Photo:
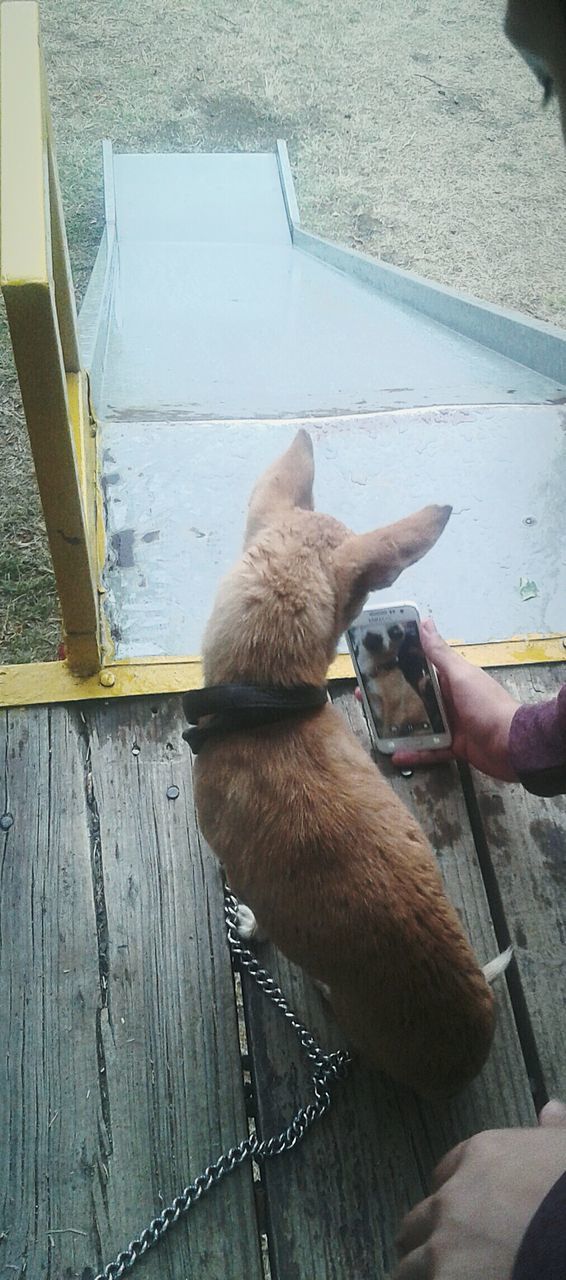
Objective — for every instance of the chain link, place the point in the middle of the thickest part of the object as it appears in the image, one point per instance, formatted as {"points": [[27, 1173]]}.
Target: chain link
{"points": [[327, 1068]]}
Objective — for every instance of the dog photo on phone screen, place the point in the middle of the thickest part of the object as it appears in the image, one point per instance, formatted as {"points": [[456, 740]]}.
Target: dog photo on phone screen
{"points": [[397, 680]]}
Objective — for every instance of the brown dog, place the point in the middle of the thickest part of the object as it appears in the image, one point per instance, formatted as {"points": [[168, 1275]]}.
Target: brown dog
{"points": [[338, 873]]}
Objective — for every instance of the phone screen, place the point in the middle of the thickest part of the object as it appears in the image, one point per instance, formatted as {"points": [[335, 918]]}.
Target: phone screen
{"points": [[399, 688]]}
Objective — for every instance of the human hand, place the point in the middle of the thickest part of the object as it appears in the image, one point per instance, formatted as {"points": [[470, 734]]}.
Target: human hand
{"points": [[479, 712], [485, 1193]]}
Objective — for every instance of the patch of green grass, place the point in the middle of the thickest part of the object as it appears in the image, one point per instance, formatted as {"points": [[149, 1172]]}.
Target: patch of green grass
{"points": [[29, 603], [29, 627]]}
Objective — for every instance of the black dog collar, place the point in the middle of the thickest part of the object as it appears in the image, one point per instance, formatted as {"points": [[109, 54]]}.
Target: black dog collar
{"points": [[245, 706]]}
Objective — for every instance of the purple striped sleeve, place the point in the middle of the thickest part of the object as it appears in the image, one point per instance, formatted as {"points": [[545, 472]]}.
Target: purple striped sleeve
{"points": [[542, 1254], [537, 746]]}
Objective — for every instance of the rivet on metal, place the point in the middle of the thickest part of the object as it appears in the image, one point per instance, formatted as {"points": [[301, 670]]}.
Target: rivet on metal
{"points": [[107, 678], [172, 793]]}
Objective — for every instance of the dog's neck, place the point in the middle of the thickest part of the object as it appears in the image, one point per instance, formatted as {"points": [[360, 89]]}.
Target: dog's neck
{"points": [[233, 708], [387, 666], [262, 673], [250, 647], [274, 618]]}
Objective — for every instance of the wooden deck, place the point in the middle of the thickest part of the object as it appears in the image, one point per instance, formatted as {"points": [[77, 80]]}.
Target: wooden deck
{"points": [[121, 1073]]}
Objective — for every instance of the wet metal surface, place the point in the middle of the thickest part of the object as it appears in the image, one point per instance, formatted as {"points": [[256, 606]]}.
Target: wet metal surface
{"points": [[240, 330], [216, 314], [207, 330], [503, 470]]}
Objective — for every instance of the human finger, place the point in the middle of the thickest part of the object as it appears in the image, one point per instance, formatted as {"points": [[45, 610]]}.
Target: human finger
{"points": [[448, 664], [448, 1166], [416, 1265], [412, 759], [445, 659], [416, 1228]]}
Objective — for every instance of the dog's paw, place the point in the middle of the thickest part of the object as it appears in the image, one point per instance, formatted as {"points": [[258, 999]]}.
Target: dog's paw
{"points": [[247, 926]]}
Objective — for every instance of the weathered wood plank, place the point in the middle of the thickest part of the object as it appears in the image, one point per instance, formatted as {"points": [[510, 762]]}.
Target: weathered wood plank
{"points": [[334, 1204], [526, 842], [171, 1050], [51, 1112], [104, 917], [120, 1074]]}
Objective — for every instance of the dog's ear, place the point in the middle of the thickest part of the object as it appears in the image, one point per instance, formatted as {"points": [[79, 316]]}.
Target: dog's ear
{"points": [[287, 483], [365, 562]]}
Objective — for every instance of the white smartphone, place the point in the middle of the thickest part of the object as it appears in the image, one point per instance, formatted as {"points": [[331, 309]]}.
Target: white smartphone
{"points": [[399, 687]]}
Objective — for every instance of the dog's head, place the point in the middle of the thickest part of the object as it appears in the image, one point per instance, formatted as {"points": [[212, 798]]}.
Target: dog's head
{"points": [[383, 645], [303, 578]]}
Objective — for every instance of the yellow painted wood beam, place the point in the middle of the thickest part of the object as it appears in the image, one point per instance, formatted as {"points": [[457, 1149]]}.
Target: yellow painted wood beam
{"points": [[36, 282], [65, 300], [48, 682], [22, 149], [37, 352]]}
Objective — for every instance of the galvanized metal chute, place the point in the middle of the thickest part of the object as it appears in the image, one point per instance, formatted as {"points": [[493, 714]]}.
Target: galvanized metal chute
{"points": [[214, 324]]}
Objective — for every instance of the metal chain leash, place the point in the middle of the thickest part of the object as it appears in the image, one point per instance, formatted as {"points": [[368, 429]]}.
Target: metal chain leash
{"points": [[328, 1067]]}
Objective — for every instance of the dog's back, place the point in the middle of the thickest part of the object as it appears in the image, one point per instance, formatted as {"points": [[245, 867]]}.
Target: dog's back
{"points": [[342, 879]]}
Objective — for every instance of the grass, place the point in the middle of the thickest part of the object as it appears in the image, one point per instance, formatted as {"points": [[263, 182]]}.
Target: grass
{"points": [[415, 134], [28, 602]]}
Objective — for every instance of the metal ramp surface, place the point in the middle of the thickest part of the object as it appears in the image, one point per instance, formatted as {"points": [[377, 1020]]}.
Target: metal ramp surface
{"points": [[213, 324]]}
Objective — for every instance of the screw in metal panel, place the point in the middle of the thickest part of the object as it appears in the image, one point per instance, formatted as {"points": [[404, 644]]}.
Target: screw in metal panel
{"points": [[107, 679]]}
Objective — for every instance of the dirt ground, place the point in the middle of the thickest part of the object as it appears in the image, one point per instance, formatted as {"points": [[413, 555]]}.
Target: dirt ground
{"points": [[415, 134]]}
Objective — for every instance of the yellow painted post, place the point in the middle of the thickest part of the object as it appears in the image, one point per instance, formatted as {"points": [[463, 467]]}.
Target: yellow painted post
{"points": [[63, 281], [37, 286]]}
